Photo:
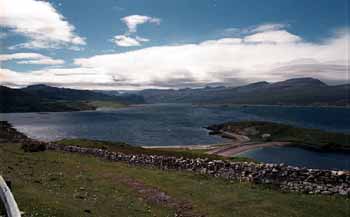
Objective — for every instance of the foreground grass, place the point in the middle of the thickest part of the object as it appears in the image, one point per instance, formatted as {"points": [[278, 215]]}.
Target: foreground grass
{"points": [[64, 184]]}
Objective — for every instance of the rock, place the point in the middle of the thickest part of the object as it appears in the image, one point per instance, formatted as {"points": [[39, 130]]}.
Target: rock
{"points": [[343, 192], [326, 192]]}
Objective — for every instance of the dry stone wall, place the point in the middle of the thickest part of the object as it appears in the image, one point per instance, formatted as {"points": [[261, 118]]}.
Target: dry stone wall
{"points": [[288, 178]]}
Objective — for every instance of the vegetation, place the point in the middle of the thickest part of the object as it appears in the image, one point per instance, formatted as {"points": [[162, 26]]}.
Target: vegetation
{"points": [[64, 184], [312, 138], [128, 149], [106, 104], [33, 147]]}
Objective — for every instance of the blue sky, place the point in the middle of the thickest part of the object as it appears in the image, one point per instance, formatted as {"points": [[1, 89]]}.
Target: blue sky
{"points": [[65, 42]]}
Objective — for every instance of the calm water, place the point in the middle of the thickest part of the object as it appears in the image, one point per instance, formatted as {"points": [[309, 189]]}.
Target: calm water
{"points": [[300, 157], [181, 124]]}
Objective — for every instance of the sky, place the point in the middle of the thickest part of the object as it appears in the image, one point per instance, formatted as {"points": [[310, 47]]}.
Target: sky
{"points": [[140, 44]]}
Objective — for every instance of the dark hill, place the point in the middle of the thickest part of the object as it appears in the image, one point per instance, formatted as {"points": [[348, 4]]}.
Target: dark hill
{"points": [[43, 98]]}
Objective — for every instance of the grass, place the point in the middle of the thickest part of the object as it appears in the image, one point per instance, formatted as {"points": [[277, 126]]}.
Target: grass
{"points": [[128, 149], [67, 105], [64, 184], [106, 104], [312, 138]]}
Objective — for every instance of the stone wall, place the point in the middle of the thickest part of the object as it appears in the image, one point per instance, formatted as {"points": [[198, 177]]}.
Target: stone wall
{"points": [[293, 179]]}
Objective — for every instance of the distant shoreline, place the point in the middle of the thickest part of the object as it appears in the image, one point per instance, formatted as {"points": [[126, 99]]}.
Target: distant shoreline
{"points": [[272, 105], [250, 135], [102, 108]]}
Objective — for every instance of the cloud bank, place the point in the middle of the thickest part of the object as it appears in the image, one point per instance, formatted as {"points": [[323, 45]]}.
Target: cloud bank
{"points": [[270, 54], [40, 22]]}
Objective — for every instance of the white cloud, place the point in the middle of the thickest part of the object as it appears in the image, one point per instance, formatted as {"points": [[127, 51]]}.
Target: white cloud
{"points": [[3, 35], [133, 21], [40, 22], [142, 39], [48, 61], [16, 56], [268, 27], [67, 77], [233, 31], [227, 58], [126, 41], [213, 61], [31, 58], [267, 33], [274, 36], [223, 41]]}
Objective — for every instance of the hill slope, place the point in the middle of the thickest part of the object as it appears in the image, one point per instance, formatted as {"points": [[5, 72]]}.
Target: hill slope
{"points": [[42, 98], [54, 93]]}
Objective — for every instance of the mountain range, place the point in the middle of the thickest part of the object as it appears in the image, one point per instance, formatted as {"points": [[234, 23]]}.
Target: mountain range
{"points": [[297, 91]]}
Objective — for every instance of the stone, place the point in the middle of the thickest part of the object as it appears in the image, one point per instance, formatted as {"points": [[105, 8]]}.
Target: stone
{"points": [[343, 192], [326, 192]]}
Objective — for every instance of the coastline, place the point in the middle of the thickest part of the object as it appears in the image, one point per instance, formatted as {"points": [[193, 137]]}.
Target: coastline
{"points": [[238, 145], [225, 150]]}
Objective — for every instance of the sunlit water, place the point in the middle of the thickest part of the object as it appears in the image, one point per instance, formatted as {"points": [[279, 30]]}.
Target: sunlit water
{"points": [[182, 124]]}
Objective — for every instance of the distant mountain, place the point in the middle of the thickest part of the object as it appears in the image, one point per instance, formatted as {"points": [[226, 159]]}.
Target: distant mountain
{"points": [[297, 91], [109, 92], [43, 98], [16, 100], [297, 83], [55, 93]]}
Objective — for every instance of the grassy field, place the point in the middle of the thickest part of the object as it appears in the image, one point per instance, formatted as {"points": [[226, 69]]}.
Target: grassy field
{"points": [[64, 184]]}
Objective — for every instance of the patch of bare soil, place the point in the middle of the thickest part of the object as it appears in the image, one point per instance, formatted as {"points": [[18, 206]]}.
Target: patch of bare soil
{"points": [[156, 196]]}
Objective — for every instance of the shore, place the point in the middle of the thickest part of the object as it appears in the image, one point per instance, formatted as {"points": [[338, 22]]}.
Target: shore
{"points": [[239, 144]]}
